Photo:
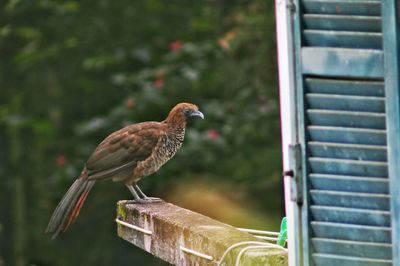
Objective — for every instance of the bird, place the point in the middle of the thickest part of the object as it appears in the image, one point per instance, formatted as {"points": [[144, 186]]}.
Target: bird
{"points": [[127, 155]]}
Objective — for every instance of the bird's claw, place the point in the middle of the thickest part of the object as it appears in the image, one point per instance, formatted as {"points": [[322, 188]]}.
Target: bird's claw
{"points": [[147, 200]]}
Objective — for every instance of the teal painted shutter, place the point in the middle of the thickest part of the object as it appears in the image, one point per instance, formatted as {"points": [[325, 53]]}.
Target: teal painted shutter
{"points": [[342, 87]]}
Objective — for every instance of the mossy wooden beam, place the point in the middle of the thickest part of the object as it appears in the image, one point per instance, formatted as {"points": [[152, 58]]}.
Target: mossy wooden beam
{"points": [[171, 233]]}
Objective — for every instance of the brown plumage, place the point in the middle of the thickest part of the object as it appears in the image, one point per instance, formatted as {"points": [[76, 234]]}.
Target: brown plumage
{"points": [[126, 155]]}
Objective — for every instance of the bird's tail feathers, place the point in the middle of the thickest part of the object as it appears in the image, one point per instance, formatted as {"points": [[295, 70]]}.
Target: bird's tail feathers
{"points": [[69, 207]]}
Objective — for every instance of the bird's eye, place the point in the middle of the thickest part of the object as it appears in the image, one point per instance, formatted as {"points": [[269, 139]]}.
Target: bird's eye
{"points": [[186, 111]]}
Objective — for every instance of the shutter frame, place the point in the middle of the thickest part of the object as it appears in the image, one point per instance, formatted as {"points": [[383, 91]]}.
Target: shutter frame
{"points": [[303, 252], [373, 65], [391, 42]]}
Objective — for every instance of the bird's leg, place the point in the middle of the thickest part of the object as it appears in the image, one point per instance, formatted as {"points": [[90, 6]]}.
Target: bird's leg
{"points": [[139, 191], [133, 192], [144, 197], [137, 198]]}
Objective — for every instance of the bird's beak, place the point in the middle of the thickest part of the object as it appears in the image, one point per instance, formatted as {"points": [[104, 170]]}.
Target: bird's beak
{"points": [[196, 114]]}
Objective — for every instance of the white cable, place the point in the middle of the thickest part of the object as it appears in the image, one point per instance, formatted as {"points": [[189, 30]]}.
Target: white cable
{"points": [[235, 246], [256, 243], [240, 254], [267, 238], [196, 253], [258, 232], [137, 228], [148, 232]]}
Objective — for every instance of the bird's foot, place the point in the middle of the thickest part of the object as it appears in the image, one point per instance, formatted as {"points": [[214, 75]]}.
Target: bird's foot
{"points": [[147, 200]]}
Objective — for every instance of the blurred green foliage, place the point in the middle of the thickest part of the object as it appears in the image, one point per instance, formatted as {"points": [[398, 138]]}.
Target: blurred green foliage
{"points": [[72, 72]]}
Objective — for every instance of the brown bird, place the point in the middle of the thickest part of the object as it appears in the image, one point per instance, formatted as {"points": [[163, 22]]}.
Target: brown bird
{"points": [[126, 155]]}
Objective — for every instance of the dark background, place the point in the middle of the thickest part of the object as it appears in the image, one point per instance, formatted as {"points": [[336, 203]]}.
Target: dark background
{"points": [[74, 71]]}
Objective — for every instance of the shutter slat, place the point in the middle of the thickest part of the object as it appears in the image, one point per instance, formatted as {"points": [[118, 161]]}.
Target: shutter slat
{"points": [[351, 232], [365, 8], [349, 183], [348, 167], [347, 119], [347, 135], [350, 199], [345, 102], [342, 22], [345, 87], [342, 62], [335, 260], [347, 151], [350, 216], [352, 248], [343, 39]]}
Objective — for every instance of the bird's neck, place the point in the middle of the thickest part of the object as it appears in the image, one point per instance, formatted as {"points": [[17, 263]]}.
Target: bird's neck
{"points": [[176, 131], [175, 123]]}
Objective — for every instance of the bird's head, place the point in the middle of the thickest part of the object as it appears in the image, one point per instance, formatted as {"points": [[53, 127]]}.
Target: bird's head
{"points": [[182, 112]]}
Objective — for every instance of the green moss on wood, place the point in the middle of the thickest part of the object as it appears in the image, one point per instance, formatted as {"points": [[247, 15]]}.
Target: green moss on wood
{"points": [[121, 211]]}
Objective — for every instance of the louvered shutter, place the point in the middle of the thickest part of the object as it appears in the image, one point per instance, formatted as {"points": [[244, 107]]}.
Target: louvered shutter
{"points": [[342, 127]]}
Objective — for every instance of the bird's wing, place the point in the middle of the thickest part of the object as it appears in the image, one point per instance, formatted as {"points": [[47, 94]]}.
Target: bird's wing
{"points": [[123, 149]]}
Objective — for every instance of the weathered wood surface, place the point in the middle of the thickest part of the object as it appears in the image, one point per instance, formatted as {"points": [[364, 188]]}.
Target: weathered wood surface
{"points": [[173, 227]]}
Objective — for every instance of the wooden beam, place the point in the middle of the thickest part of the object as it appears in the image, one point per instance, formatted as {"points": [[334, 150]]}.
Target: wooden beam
{"points": [[182, 237]]}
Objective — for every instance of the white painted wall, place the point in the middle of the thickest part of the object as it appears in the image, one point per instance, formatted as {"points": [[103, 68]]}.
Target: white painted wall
{"points": [[287, 108]]}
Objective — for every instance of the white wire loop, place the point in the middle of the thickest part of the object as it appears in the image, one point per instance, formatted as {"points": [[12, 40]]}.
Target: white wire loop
{"points": [[240, 254], [134, 227], [254, 245]]}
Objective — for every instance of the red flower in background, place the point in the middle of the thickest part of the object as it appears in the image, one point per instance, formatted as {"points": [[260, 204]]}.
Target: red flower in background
{"points": [[130, 103], [212, 134], [160, 78], [61, 160], [226, 40], [159, 83], [175, 46]]}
